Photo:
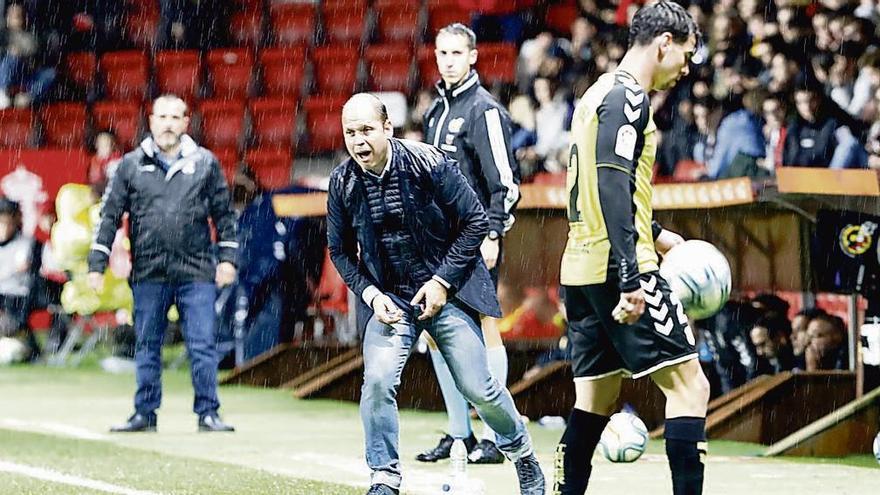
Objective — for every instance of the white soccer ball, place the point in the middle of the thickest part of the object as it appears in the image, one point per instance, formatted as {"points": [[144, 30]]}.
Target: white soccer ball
{"points": [[699, 275], [877, 447], [624, 438]]}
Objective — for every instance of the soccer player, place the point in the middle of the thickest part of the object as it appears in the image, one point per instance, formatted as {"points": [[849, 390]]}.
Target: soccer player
{"points": [[469, 125], [623, 319], [404, 230]]}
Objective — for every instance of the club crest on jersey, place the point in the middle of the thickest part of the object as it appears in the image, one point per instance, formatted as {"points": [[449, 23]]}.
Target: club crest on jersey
{"points": [[455, 125], [625, 144]]}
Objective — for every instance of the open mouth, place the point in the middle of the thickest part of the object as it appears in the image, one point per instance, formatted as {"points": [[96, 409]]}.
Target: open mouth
{"points": [[363, 155]]}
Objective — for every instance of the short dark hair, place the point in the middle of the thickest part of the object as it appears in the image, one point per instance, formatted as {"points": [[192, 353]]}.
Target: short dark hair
{"points": [[460, 29], [9, 207], [660, 17]]}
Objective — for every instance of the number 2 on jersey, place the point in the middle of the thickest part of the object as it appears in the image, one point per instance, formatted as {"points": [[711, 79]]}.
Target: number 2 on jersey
{"points": [[574, 212]]}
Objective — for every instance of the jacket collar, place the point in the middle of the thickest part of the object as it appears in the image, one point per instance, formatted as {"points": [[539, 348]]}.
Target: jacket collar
{"points": [[187, 146], [467, 85]]}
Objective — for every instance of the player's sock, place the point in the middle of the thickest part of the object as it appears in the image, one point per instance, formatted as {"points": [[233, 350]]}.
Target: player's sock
{"points": [[685, 448], [456, 406], [498, 367], [573, 454]]}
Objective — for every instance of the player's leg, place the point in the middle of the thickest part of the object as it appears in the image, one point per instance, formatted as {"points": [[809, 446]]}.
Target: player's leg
{"points": [[662, 344], [386, 349], [486, 452], [457, 409], [687, 394], [597, 370]]}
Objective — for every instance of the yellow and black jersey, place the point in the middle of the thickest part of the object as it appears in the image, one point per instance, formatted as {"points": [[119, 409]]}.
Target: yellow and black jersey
{"points": [[611, 158]]}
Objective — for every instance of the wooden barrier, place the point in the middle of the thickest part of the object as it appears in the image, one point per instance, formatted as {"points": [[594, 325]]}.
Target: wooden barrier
{"points": [[848, 430], [281, 364]]}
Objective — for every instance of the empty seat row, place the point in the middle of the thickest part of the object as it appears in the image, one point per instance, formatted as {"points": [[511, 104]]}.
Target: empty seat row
{"points": [[217, 123], [232, 72]]}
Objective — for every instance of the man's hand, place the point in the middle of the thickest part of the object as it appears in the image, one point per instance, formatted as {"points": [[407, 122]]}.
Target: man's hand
{"points": [[225, 274], [434, 295], [630, 307], [386, 311], [489, 249], [96, 281], [666, 241]]}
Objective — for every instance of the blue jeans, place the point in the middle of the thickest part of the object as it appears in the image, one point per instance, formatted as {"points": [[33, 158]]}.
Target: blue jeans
{"points": [[195, 303], [460, 340]]}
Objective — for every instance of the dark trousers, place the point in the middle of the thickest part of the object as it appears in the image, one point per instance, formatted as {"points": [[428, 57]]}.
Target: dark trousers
{"points": [[195, 303]]}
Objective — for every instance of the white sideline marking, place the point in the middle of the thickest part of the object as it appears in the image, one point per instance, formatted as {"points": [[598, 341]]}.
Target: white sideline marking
{"points": [[60, 428], [56, 477]]}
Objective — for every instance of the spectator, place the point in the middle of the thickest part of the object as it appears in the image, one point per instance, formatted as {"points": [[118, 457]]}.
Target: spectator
{"points": [[18, 62], [774, 129], [103, 163], [770, 336], [810, 138], [549, 148], [195, 24], [827, 349], [16, 274], [738, 138], [799, 337]]}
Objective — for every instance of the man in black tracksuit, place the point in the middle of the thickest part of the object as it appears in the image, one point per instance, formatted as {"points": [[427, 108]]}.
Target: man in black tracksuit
{"points": [[170, 187], [468, 124]]}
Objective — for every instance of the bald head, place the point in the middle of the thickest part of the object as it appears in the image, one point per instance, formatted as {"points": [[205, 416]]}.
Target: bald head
{"points": [[365, 105], [366, 129]]}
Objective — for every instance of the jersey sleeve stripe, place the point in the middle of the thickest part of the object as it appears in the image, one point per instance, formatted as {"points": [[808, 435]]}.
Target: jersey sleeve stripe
{"points": [[499, 156]]}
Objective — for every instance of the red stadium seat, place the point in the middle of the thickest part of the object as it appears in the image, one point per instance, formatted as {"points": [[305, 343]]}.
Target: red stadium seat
{"points": [[228, 158], [354, 6], [323, 120], [345, 25], [229, 70], [336, 69], [16, 125], [272, 166], [398, 25], [440, 16], [428, 72], [274, 121], [80, 69], [246, 27], [561, 15], [389, 67], [283, 70], [496, 62], [126, 74], [293, 24], [64, 125], [221, 123], [125, 119], [179, 72]]}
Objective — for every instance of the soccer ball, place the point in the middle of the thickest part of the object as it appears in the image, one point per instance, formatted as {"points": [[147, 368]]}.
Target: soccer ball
{"points": [[11, 351], [624, 438], [877, 447], [699, 276]]}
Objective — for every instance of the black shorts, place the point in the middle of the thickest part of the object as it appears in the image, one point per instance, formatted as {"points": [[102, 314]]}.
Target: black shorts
{"points": [[600, 346]]}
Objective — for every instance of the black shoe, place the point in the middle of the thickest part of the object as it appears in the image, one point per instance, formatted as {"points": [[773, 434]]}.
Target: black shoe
{"points": [[137, 423], [441, 451], [485, 453], [531, 479], [380, 489], [212, 422]]}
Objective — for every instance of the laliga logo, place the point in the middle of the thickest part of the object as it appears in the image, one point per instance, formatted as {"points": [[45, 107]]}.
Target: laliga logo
{"points": [[855, 240]]}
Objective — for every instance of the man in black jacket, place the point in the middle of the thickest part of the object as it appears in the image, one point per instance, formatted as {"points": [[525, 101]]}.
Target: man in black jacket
{"points": [[170, 187], [404, 230], [467, 123]]}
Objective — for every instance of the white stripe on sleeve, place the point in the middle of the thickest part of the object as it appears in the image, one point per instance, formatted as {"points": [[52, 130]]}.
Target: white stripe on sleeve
{"points": [[499, 156]]}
